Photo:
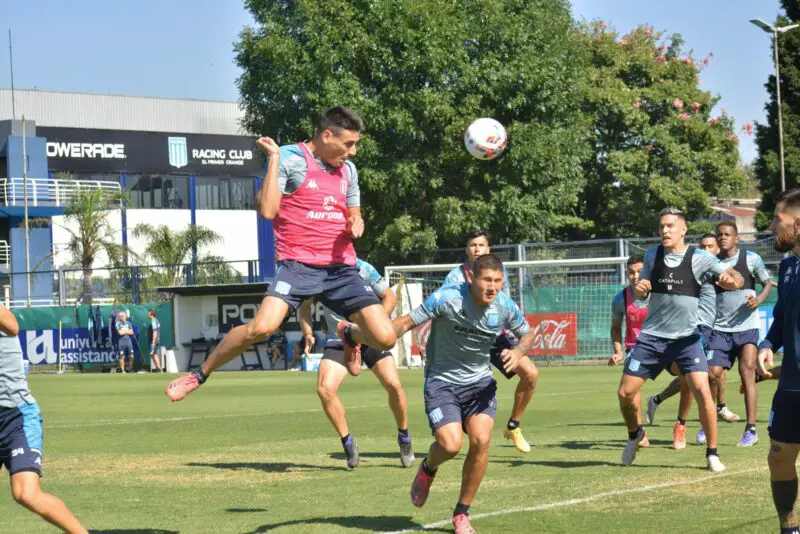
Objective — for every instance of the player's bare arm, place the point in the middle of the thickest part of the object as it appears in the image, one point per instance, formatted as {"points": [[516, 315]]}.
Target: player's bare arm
{"points": [[511, 357], [754, 301], [355, 223], [269, 197], [731, 280], [8, 323], [616, 340], [643, 288]]}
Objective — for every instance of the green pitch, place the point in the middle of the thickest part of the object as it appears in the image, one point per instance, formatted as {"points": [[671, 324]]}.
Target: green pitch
{"points": [[253, 452]]}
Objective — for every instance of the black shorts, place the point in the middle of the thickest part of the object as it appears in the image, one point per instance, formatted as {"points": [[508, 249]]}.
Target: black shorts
{"points": [[446, 402], [21, 439], [784, 417], [339, 287], [369, 355]]}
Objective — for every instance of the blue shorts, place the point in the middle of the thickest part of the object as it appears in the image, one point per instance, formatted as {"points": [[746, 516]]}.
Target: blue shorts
{"points": [[153, 348], [339, 287], [125, 346], [784, 417], [705, 336], [446, 402], [21, 439], [726, 346], [652, 354]]}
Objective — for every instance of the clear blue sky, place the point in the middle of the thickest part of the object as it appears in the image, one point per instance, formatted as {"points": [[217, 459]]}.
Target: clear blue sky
{"points": [[183, 48]]}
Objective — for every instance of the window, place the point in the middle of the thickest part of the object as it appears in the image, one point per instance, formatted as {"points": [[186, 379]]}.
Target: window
{"points": [[158, 192], [224, 193]]}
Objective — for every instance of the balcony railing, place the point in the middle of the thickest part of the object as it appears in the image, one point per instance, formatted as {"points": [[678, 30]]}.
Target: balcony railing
{"points": [[5, 254], [49, 192]]}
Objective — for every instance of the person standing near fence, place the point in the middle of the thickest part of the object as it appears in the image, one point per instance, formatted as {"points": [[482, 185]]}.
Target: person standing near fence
{"points": [[21, 434], [154, 336], [125, 341], [625, 306]]}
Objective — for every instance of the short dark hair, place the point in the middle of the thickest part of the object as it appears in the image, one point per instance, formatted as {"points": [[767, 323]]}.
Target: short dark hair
{"points": [[151, 310], [340, 118], [672, 211], [790, 199], [730, 224], [478, 233], [708, 236], [487, 262], [632, 260]]}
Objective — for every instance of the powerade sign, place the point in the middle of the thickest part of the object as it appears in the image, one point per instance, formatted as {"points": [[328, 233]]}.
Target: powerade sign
{"points": [[102, 151], [41, 347]]}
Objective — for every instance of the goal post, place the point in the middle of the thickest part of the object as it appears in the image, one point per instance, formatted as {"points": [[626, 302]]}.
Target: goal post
{"points": [[567, 301]]}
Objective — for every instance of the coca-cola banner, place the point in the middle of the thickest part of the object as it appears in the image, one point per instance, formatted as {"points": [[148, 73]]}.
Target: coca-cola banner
{"points": [[556, 334]]}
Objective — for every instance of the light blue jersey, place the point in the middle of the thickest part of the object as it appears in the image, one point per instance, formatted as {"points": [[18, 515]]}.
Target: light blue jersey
{"points": [[14, 390], [676, 316], [707, 305], [733, 315], [462, 332], [292, 174]]}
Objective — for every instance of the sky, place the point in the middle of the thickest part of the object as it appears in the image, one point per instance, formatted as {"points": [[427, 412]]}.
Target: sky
{"points": [[184, 48]]}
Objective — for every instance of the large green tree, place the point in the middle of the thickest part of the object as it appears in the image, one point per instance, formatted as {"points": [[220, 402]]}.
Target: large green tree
{"points": [[655, 141], [767, 166], [419, 71]]}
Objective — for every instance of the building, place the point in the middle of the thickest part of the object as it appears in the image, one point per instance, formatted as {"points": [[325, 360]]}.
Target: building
{"points": [[182, 162]]}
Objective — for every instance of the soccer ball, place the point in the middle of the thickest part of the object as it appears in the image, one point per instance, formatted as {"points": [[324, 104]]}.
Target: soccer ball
{"points": [[485, 138]]}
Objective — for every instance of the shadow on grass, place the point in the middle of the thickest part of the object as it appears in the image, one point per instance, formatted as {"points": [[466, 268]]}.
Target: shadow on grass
{"points": [[608, 444], [276, 467], [371, 523], [561, 464], [134, 531], [744, 526]]}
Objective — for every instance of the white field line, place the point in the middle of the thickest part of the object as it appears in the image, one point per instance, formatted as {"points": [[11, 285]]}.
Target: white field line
{"points": [[583, 500]]}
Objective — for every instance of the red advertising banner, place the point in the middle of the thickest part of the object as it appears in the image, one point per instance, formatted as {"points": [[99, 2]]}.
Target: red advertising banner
{"points": [[556, 334]]}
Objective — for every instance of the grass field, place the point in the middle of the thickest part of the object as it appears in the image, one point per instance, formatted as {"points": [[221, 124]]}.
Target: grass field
{"points": [[253, 452]]}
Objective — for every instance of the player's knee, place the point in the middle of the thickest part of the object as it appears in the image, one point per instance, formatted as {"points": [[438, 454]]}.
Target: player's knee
{"points": [[625, 395], [393, 387], [480, 442], [528, 375], [25, 494], [257, 331], [326, 392], [451, 446]]}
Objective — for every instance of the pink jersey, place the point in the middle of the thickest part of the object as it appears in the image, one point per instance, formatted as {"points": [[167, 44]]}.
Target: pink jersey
{"points": [[311, 226], [634, 318]]}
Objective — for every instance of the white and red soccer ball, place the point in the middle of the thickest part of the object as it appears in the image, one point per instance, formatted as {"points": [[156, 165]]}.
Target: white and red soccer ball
{"points": [[485, 138]]}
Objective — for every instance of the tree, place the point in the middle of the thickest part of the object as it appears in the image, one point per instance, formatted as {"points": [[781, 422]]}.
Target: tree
{"points": [[419, 71], [767, 165], [90, 232], [167, 253], [655, 143]]}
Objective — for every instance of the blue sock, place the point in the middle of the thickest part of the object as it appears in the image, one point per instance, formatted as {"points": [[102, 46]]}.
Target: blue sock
{"points": [[403, 436], [346, 440]]}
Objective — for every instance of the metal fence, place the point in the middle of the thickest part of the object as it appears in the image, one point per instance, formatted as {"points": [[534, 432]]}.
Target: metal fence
{"points": [[133, 284], [761, 242]]}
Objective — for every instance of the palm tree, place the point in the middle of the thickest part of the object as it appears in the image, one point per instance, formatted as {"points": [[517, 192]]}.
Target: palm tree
{"points": [[168, 251], [90, 233]]}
